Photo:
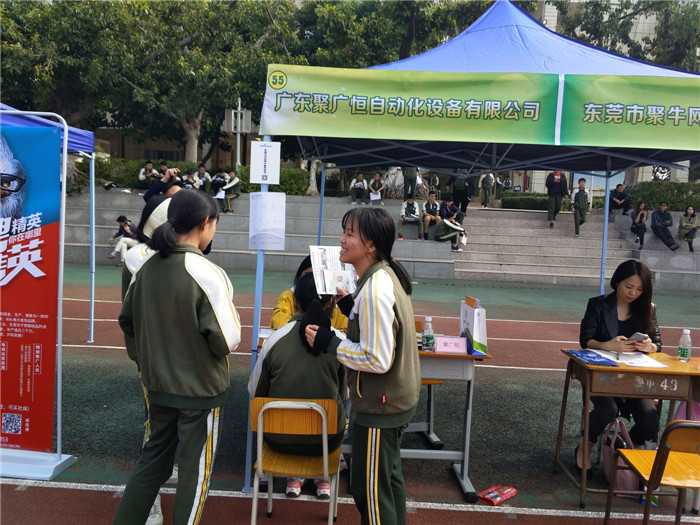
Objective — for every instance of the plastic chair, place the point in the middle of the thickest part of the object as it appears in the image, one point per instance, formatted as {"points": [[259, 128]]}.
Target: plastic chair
{"points": [[675, 464], [300, 417]]}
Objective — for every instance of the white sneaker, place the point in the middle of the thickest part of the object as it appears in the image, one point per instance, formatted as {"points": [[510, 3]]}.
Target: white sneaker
{"points": [[127, 190], [155, 517], [172, 480]]}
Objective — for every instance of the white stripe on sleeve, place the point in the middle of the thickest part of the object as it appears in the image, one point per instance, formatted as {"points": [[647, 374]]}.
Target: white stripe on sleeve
{"points": [[374, 309]]}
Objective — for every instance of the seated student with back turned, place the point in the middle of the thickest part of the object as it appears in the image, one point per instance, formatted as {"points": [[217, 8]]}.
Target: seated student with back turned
{"points": [[289, 368], [608, 324], [287, 306]]}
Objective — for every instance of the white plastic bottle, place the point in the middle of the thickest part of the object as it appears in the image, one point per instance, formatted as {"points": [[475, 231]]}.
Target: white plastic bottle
{"points": [[683, 346], [428, 340]]}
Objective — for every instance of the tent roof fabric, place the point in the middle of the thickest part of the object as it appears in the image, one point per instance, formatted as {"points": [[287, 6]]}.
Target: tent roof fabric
{"points": [[347, 153], [79, 140], [505, 39]]}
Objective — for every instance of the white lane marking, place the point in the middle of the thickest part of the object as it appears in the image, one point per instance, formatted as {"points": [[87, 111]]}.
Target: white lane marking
{"points": [[456, 507]]}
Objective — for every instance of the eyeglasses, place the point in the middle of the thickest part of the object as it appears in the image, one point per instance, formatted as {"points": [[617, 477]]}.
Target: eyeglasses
{"points": [[11, 183]]}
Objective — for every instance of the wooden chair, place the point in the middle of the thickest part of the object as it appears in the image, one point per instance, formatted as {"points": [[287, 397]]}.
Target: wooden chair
{"points": [[309, 417], [675, 464]]}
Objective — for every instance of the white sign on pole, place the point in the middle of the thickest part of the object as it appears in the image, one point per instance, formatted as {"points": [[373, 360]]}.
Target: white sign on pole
{"points": [[265, 162], [267, 225]]}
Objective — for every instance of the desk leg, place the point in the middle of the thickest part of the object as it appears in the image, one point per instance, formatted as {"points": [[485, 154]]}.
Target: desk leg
{"points": [[461, 468], [586, 450], [435, 441], [562, 416]]}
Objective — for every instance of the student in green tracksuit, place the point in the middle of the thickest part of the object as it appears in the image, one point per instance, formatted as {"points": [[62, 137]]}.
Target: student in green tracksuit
{"points": [[381, 355], [180, 324], [581, 202]]}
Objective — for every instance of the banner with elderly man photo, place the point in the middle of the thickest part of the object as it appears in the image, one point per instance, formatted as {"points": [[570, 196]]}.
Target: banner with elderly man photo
{"points": [[29, 253]]}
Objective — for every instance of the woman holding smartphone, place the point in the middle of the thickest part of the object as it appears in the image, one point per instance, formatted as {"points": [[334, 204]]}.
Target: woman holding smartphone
{"points": [[611, 323], [381, 355]]}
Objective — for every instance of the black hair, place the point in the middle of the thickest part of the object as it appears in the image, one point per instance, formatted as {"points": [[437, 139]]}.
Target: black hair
{"points": [[582, 179], [447, 197], [173, 182], [638, 207], [663, 202], [377, 226], [163, 163], [619, 185], [640, 308], [686, 211], [122, 218], [432, 192], [151, 204], [305, 264], [409, 196], [202, 166], [314, 307], [148, 162], [187, 210]]}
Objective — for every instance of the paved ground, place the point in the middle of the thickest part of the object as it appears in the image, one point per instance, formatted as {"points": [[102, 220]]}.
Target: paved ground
{"points": [[516, 400]]}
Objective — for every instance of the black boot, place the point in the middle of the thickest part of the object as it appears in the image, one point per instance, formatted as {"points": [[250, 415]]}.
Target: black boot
{"points": [[690, 245]]}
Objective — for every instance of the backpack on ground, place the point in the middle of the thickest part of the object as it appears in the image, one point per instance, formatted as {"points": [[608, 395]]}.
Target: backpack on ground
{"points": [[616, 437]]}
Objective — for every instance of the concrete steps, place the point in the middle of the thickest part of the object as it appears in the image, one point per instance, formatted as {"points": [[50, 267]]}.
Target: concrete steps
{"points": [[503, 245]]}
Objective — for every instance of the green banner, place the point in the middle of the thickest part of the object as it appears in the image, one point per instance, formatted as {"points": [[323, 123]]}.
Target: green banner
{"points": [[409, 105], [631, 111]]}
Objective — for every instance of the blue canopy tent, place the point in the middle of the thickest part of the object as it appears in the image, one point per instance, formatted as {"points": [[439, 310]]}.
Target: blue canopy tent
{"points": [[80, 143], [505, 39]]}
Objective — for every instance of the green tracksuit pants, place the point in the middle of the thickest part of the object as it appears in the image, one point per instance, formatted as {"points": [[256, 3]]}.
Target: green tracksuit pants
{"points": [[377, 481], [579, 217], [553, 206], [197, 432]]}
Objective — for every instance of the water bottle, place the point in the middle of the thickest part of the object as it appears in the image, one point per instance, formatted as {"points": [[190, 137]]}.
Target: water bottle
{"points": [[683, 346], [428, 336]]}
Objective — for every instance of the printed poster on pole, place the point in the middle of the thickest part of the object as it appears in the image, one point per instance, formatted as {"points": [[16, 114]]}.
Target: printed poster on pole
{"points": [[29, 261]]}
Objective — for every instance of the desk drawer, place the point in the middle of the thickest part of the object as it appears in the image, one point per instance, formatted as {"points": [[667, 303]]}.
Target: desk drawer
{"points": [[457, 369], [636, 384]]}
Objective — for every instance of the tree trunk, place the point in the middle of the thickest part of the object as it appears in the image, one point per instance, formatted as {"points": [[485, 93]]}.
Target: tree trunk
{"points": [[313, 187], [191, 126]]}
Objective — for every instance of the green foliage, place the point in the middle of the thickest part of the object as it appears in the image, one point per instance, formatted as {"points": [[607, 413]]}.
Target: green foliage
{"points": [[293, 181], [610, 25], [679, 195], [524, 201]]}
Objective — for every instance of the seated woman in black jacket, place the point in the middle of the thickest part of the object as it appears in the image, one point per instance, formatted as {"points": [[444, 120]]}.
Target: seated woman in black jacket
{"points": [[609, 321]]}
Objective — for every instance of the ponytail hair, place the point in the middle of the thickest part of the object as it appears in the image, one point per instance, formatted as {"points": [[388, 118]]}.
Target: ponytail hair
{"points": [[313, 306], [376, 225], [187, 210]]}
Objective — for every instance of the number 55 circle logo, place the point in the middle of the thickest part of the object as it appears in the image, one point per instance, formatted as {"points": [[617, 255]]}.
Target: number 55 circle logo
{"points": [[277, 80]]}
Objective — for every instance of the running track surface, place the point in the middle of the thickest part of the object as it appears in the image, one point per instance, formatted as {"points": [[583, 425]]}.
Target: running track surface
{"points": [[518, 344]]}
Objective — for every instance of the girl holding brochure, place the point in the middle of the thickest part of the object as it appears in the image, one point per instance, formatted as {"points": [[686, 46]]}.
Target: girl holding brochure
{"points": [[381, 355], [609, 323]]}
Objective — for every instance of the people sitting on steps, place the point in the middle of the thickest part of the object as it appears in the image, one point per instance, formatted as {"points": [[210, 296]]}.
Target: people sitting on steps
{"points": [[409, 215], [619, 200], [661, 221]]}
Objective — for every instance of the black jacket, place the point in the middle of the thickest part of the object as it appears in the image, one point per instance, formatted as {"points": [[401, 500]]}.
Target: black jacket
{"points": [[600, 321], [549, 183]]}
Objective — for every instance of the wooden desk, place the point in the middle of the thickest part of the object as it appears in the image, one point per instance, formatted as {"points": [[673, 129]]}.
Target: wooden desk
{"points": [[674, 382]]}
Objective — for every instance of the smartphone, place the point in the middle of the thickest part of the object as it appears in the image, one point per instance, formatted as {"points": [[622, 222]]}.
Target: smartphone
{"points": [[638, 336]]}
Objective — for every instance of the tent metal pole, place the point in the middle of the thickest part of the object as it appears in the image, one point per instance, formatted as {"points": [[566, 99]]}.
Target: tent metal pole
{"points": [[91, 337], [259, 278], [320, 209], [606, 215]]}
